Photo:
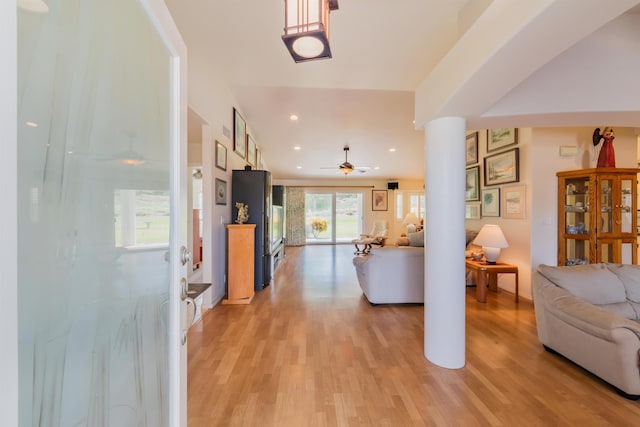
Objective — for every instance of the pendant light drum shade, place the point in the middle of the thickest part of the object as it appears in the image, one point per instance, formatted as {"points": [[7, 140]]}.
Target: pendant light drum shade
{"points": [[306, 28]]}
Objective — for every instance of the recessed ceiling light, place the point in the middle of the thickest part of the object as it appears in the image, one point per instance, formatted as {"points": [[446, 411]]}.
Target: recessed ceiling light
{"points": [[392, 150], [297, 148], [298, 167], [31, 124], [377, 168], [293, 117]]}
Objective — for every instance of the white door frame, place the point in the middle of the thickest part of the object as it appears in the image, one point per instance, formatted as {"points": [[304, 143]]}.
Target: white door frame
{"points": [[161, 19], [8, 215]]}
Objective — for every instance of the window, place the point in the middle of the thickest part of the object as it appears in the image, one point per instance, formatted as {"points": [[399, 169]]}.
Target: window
{"points": [[141, 217], [414, 202]]}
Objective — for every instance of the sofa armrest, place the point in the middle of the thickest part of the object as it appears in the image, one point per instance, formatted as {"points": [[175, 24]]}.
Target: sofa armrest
{"points": [[583, 315]]}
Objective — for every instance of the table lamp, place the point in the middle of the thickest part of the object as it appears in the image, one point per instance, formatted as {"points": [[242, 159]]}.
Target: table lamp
{"points": [[492, 240], [410, 221]]}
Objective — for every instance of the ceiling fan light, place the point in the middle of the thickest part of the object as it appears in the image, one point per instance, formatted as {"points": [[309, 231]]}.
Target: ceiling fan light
{"points": [[346, 168]]}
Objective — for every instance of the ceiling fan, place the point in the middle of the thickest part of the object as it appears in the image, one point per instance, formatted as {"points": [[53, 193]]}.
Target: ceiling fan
{"points": [[346, 167]]}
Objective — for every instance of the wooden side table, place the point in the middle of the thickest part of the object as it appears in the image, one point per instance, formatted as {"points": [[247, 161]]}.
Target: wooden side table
{"points": [[488, 274]]}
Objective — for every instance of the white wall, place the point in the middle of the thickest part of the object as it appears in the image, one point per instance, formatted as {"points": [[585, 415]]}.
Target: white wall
{"points": [[545, 154], [533, 241], [214, 104], [516, 231]]}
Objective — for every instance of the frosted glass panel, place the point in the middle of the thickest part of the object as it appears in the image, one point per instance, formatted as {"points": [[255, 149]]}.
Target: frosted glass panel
{"points": [[93, 122]]}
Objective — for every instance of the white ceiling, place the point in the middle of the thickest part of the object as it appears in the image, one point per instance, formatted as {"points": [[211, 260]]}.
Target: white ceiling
{"points": [[364, 96]]}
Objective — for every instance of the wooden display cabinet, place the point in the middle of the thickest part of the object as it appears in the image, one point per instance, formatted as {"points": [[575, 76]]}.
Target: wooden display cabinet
{"points": [[597, 216]]}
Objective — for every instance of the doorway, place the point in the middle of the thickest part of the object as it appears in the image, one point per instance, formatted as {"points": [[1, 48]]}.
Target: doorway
{"points": [[333, 217]]}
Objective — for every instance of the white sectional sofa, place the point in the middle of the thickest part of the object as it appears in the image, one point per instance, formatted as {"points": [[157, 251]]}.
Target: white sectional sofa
{"points": [[392, 274], [591, 315], [395, 274]]}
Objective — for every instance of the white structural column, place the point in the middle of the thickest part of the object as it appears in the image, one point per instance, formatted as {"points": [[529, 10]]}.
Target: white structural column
{"points": [[444, 297]]}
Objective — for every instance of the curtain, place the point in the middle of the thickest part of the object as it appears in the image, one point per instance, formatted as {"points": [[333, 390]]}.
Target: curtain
{"points": [[296, 235]]}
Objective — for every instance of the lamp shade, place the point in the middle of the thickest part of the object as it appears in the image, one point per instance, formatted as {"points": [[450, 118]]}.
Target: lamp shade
{"points": [[492, 240], [411, 218]]}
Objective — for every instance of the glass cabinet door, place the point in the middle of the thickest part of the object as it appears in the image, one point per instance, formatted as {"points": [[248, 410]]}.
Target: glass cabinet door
{"points": [[605, 205], [617, 251], [576, 206], [606, 252], [625, 206], [577, 251]]}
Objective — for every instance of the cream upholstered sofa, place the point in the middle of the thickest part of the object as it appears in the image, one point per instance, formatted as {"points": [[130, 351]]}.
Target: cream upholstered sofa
{"points": [[591, 315], [392, 274], [395, 274]]}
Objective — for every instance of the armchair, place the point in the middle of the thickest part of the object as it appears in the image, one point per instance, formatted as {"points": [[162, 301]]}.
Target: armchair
{"points": [[377, 236]]}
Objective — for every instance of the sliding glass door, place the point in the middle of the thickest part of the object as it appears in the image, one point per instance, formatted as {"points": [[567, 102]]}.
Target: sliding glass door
{"points": [[333, 217], [348, 216], [319, 218]]}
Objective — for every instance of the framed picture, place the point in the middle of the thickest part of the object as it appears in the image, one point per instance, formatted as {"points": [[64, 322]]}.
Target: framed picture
{"points": [[379, 200], [472, 211], [239, 134], [221, 156], [500, 138], [472, 148], [513, 202], [472, 186], [259, 159], [502, 168], [221, 192], [491, 202], [251, 151]]}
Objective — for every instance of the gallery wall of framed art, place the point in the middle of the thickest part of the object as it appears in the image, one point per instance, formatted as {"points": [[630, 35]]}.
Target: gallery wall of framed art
{"points": [[498, 161]]}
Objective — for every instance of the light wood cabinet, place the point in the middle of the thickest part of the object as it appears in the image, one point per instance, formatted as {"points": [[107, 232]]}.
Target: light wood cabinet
{"points": [[597, 219], [240, 263]]}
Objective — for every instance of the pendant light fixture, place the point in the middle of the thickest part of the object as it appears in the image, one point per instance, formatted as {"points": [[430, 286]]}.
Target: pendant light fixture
{"points": [[306, 28]]}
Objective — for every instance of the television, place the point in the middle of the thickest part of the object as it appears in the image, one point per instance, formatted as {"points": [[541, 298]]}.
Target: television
{"points": [[277, 226]]}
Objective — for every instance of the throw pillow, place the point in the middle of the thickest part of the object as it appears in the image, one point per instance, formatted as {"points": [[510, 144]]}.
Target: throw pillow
{"points": [[416, 239], [594, 283]]}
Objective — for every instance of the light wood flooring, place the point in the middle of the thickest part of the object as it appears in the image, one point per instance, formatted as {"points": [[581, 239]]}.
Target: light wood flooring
{"points": [[311, 351]]}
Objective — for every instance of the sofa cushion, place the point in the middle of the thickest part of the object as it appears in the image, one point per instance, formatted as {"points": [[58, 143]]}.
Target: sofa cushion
{"points": [[630, 277], [594, 283], [416, 239], [624, 309]]}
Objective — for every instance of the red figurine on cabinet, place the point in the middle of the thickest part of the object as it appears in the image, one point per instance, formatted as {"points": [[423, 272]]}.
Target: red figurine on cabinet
{"points": [[607, 157]]}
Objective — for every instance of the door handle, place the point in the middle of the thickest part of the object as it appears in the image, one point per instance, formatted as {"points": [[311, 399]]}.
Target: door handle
{"points": [[184, 289], [191, 301], [185, 255]]}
